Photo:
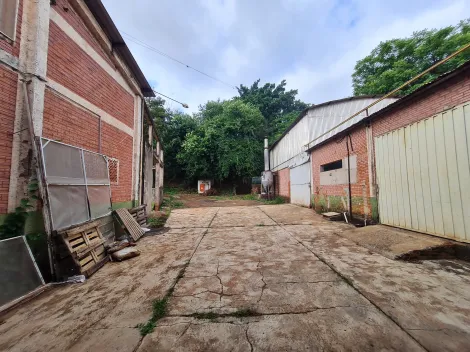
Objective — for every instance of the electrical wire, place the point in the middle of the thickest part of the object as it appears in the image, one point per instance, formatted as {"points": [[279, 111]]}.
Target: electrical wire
{"points": [[147, 46]]}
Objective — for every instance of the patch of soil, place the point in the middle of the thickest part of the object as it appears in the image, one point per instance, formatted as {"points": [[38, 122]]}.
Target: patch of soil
{"points": [[199, 201]]}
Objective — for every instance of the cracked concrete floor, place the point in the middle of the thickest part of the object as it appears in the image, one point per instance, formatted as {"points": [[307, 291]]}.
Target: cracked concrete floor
{"points": [[311, 290]]}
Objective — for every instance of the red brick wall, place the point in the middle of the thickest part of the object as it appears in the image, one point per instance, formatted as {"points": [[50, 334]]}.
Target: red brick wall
{"points": [[8, 86], [14, 47], [63, 8], [333, 151], [282, 186], [70, 124], [452, 93], [70, 66]]}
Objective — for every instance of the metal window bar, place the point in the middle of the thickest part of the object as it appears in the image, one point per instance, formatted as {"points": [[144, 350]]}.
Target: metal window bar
{"points": [[86, 183]]}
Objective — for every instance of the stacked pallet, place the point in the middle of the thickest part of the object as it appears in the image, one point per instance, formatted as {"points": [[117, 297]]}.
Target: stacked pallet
{"points": [[129, 224], [85, 245], [139, 214]]}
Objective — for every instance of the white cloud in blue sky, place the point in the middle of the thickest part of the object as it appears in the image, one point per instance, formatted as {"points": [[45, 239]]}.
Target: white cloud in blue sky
{"points": [[314, 45]]}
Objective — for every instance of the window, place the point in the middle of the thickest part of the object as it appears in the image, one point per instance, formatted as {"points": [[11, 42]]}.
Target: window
{"points": [[8, 14], [335, 165], [113, 167]]}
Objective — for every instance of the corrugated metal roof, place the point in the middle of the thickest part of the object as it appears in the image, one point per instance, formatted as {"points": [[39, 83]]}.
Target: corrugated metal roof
{"points": [[315, 121]]}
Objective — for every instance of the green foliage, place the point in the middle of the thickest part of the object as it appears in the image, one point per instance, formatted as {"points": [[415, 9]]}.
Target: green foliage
{"points": [[14, 223], [159, 309], [278, 106], [172, 126], [395, 61], [277, 200], [226, 145]]}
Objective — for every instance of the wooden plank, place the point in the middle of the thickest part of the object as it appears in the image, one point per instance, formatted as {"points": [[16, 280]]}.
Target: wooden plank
{"points": [[83, 227], [132, 227]]}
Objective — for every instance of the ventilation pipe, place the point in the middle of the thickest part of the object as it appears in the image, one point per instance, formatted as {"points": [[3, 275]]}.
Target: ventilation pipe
{"points": [[266, 155], [267, 175]]}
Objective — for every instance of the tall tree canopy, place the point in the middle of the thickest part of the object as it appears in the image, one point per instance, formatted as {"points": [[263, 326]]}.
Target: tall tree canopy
{"points": [[172, 127], [395, 61], [227, 144], [278, 106]]}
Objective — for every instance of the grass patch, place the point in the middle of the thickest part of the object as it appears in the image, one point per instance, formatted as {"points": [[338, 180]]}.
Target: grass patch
{"points": [[277, 200], [159, 309], [160, 306], [157, 222], [171, 202], [245, 312]]}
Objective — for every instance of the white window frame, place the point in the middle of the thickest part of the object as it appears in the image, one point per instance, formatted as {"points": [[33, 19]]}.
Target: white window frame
{"points": [[2, 33]]}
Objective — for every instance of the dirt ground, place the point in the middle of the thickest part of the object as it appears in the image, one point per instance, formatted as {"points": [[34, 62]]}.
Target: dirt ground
{"points": [[199, 201], [259, 278]]}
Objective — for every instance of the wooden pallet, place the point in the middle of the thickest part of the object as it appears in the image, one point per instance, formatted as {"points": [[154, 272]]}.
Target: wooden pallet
{"points": [[140, 214], [129, 223], [85, 244]]}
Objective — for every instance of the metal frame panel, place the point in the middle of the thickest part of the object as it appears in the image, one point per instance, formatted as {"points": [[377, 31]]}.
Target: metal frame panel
{"points": [[423, 174]]}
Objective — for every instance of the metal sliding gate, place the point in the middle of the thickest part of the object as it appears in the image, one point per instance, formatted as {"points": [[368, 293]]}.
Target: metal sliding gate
{"points": [[423, 174]]}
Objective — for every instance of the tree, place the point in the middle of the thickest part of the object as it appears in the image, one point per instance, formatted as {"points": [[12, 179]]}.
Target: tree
{"points": [[395, 61], [172, 127], [227, 145], [275, 103]]}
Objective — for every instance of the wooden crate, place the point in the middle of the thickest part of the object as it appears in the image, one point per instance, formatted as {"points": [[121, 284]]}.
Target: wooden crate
{"points": [[85, 244]]}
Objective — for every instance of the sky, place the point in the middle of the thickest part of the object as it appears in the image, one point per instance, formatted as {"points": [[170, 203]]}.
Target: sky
{"points": [[313, 45]]}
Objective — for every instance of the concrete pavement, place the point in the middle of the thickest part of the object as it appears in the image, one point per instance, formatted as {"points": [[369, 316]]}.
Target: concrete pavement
{"points": [[264, 278]]}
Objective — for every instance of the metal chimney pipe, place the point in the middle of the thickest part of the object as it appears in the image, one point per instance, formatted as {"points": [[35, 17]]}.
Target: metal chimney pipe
{"points": [[266, 155]]}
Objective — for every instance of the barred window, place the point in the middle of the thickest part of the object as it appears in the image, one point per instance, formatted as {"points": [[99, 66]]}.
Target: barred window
{"points": [[113, 167]]}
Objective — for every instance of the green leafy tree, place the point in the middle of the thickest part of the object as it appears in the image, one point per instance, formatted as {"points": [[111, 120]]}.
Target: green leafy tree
{"points": [[396, 61], [227, 145], [172, 127], [275, 103]]}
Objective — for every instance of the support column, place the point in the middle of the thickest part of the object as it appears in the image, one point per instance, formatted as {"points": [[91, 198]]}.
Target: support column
{"points": [[32, 64]]}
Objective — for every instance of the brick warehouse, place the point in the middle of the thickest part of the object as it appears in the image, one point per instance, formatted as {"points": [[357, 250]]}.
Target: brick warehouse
{"points": [[66, 64], [409, 161]]}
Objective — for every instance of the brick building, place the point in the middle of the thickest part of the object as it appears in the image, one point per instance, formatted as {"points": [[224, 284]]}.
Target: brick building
{"points": [[65, 67], [409, 159]]}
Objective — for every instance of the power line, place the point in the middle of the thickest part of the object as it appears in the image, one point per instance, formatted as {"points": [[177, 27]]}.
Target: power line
{"points": [[147, 46]]}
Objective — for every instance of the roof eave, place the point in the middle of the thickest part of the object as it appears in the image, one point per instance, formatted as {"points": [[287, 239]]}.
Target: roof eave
{"points": [[118, 44]]}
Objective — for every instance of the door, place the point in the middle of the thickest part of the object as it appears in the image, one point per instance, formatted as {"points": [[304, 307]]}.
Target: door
{"points": [[300, 184], [423, 175]]}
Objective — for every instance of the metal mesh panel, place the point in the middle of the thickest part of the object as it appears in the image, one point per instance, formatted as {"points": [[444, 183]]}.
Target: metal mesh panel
{"points": [[100, 203], [68, 205], [18, 273], [95, 168], [63, 164]]}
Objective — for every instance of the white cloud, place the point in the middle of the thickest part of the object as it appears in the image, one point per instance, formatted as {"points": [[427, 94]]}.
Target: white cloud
{"points": [[313, 44]]}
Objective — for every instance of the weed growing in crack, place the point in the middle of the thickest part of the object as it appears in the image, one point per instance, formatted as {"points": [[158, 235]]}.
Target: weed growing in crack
{"points": [[160, 307], [246, 312], [208, 315]]}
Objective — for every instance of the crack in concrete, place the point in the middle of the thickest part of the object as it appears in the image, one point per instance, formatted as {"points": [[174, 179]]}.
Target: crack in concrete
{"points": [[220, 281], [247, 338]]}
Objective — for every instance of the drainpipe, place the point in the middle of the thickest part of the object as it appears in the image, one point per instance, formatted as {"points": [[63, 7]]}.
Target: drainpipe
{"points": [[349, 141]]}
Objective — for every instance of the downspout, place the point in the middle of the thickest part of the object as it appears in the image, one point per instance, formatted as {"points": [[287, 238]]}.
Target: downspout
{"points": [[141, 183], [349, 140]]}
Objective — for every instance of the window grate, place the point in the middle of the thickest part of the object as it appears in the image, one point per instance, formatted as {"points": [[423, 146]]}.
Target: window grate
{"points": [[113, 167]]}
